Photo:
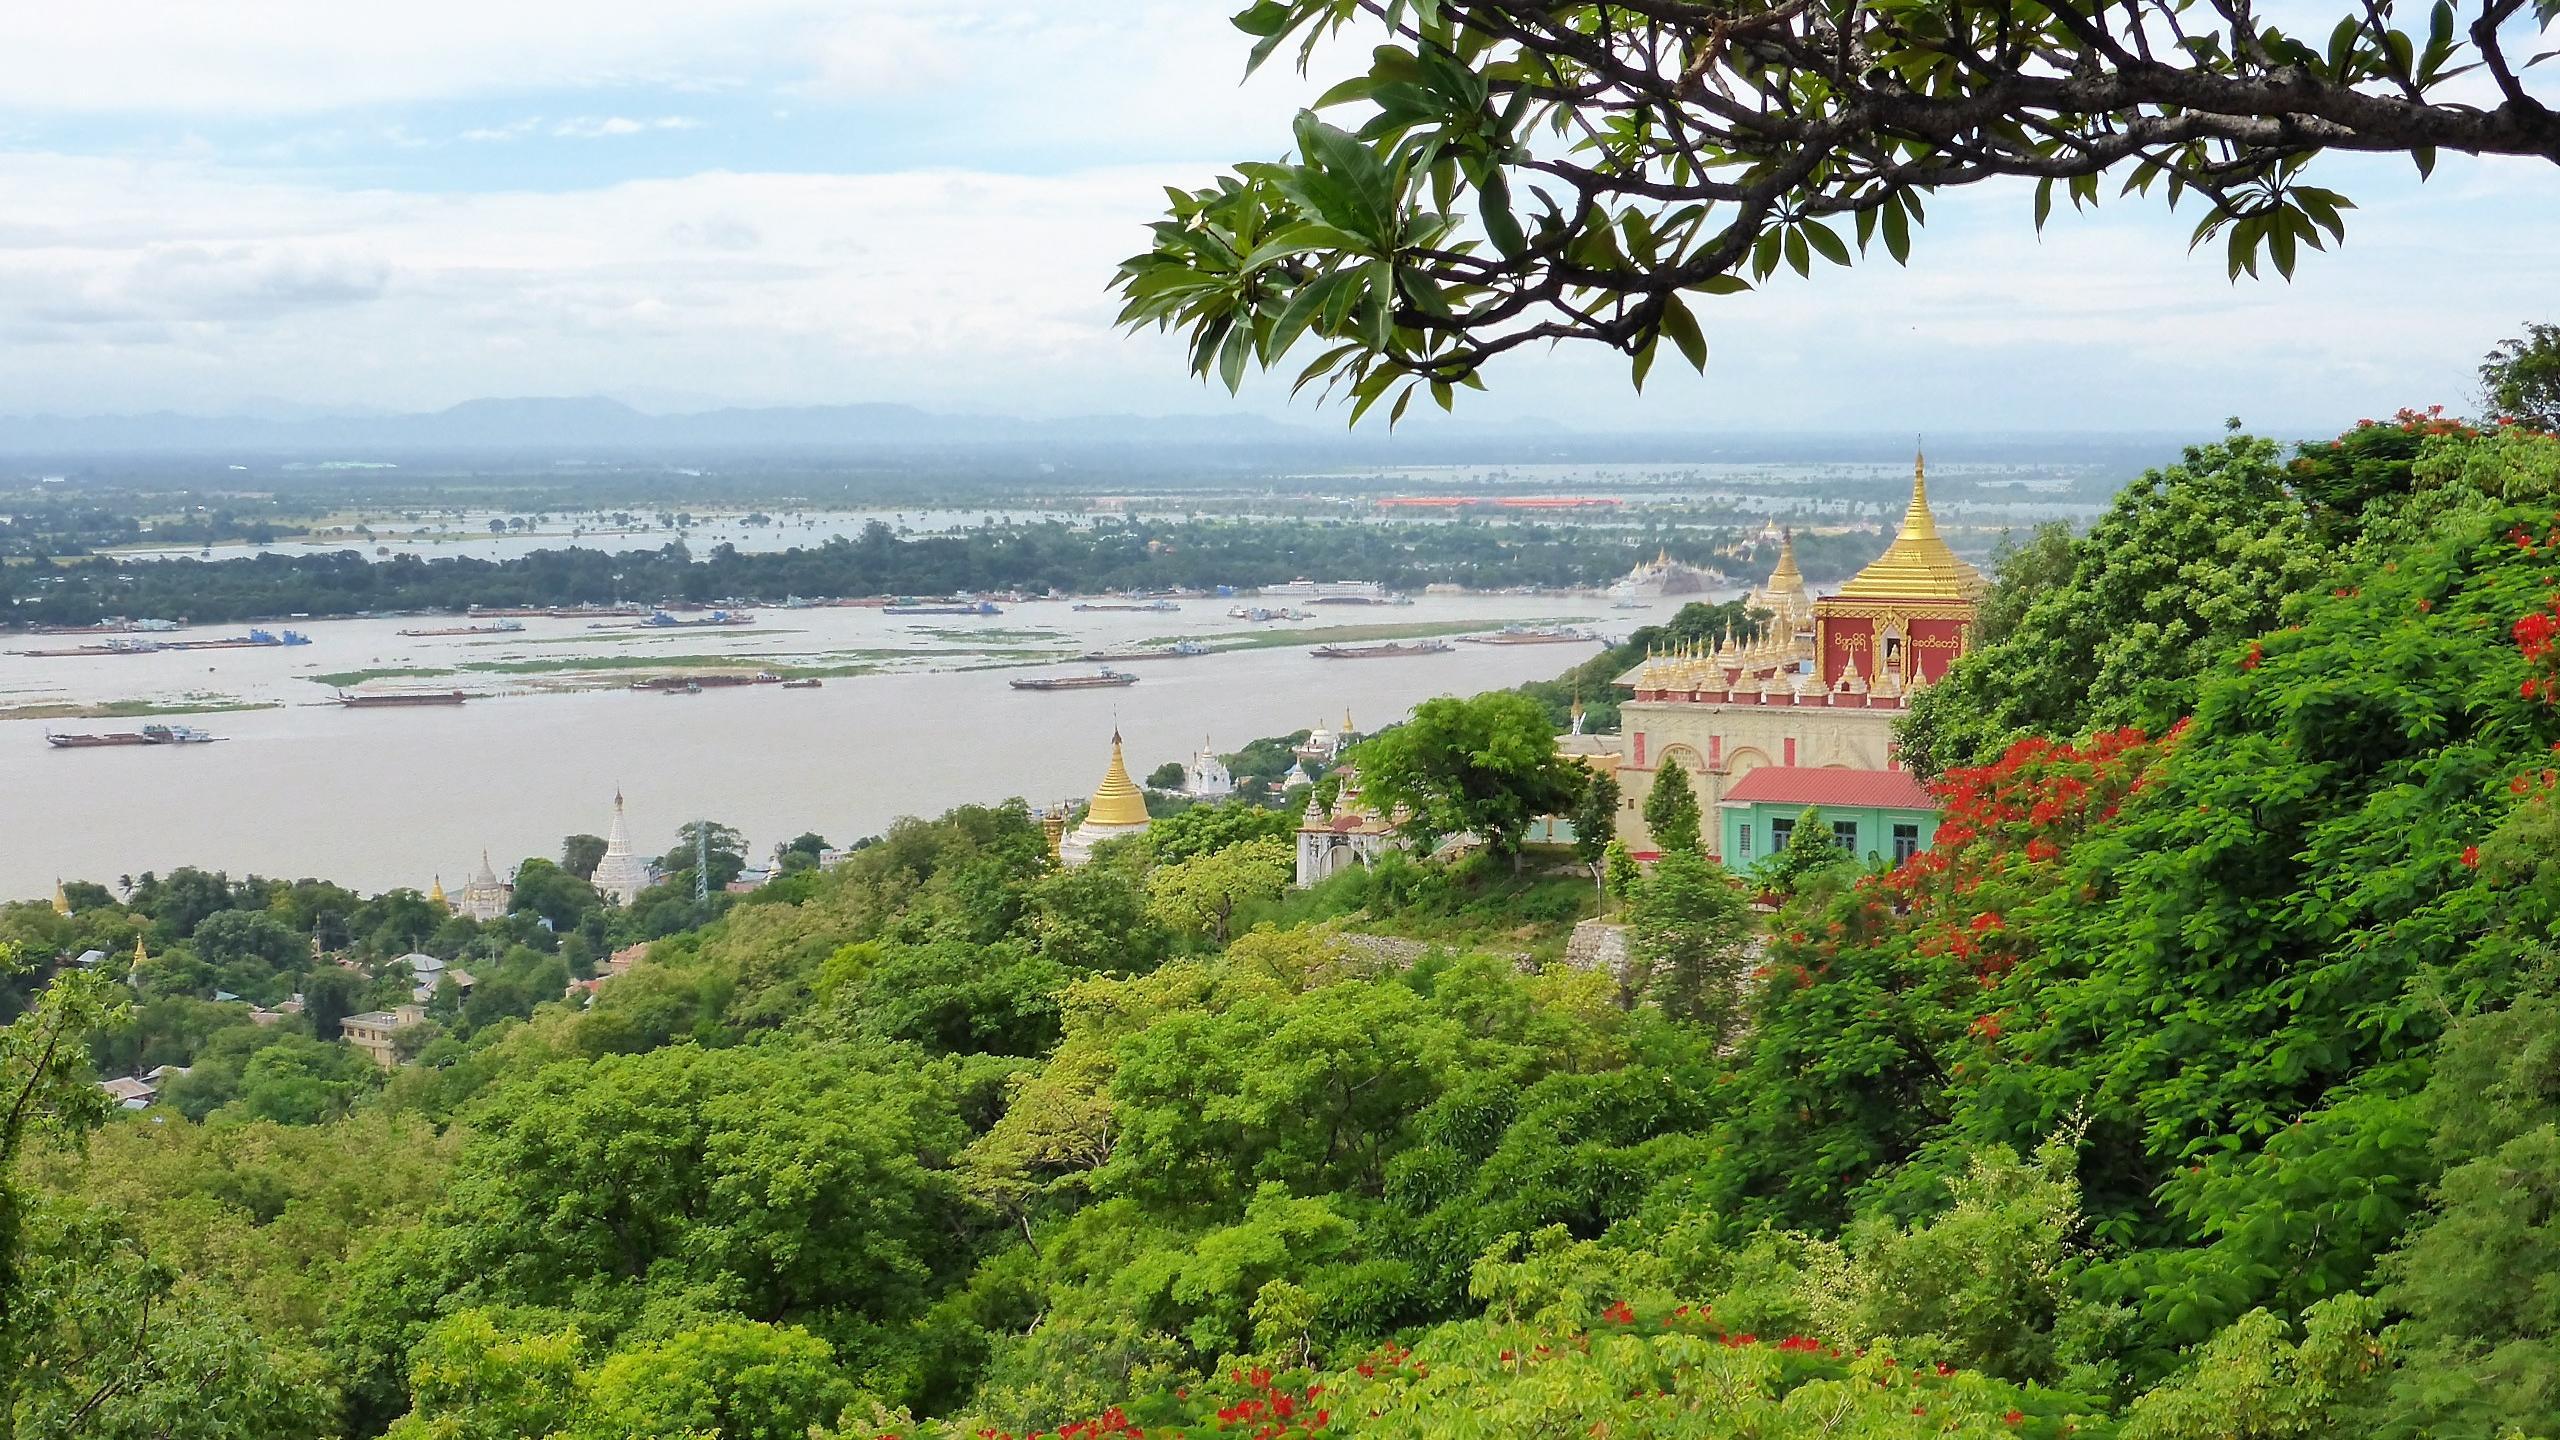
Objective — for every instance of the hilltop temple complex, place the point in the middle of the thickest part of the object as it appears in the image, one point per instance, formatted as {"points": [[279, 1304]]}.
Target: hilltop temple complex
{"points": [[1819, 689]]}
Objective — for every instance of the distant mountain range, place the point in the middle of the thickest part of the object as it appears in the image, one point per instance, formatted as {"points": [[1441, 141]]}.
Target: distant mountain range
{"points": [[551, 430]]}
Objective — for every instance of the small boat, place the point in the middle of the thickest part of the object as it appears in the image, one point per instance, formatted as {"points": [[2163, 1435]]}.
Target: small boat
{"points": [[1107, 680], [147, 735], [982, 607], [1391, 651], [503, 627], [1179, 650], [811, 683], [1257, 613], [402, 698], [1126, 606]]}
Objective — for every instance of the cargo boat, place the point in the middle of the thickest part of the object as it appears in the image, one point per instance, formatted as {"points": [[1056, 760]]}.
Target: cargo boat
{"points": [[503, 627], [147, 735], [1390, 651], [385, 702], [983, 607], [1125, 607], [1107, 680], [112, 647], [1522, 635], [690, 684], [808, 684], [254, 640]]}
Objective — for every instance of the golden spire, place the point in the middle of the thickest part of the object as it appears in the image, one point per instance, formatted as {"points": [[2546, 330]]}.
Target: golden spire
{"points": [[435, 896], [140, 955], [1917, 565], [1346, 719], [1117, 801], [1053, 824], [61, 898], [1786, 576]]}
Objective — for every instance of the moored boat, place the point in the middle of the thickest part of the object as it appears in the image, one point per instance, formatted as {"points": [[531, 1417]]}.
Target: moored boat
{"points": [[1390, 651], [502, 627], [1108, 679], [982, 607], [810, 683], [147, 735], [1527, 635]]}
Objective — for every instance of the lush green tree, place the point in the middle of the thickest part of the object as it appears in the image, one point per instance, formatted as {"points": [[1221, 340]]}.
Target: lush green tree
{"points": [[1810, 854], [1167, 776], [1204, 828], [1484, 766], [695, 838], [44, 1091], [580, 854], [728, 1380], [2521, 378], [1671, 810], [330, 995], [1688, 929], [473, 1378], [1200, 895], [1096, 918], [555, 893], [1595, 823], [2187, 564], [797, 1178]]}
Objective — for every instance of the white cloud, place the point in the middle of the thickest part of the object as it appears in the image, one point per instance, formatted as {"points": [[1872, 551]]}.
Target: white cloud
{"points": [[594, 127]]}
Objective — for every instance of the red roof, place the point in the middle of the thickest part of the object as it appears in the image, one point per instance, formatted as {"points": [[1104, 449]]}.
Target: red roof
{"points": [[1854, 789]]}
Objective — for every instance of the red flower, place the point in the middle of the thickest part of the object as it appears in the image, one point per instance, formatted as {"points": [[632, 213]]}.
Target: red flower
{"points": [[2013, 1417], [2471, 856]]}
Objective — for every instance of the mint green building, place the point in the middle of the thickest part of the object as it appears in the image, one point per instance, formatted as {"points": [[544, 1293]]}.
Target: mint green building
{"points": [[1872, 814]]}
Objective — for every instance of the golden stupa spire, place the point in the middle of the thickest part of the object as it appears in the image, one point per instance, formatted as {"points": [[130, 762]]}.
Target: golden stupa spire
{"points": [[1917, 565], [1117, 800], [435, 894], [1346, 719], [1786, 576], [139, 954], [61, 898]]}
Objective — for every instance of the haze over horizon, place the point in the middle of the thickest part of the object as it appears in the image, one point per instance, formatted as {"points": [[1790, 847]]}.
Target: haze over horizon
{"points": [[286, 206]]}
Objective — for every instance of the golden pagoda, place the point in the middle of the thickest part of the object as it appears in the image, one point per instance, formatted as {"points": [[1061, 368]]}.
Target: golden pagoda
{"points": [[140, 955], [1917, 565], [61, 899], [1118, 808], [435, 895]]}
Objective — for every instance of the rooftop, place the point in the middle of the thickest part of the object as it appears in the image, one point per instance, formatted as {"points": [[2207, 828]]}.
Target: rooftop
{"points": [[1855, 789], [1917, 565]]}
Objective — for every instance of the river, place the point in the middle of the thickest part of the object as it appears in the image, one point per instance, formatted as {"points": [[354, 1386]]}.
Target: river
{"points": [[380, 798]]}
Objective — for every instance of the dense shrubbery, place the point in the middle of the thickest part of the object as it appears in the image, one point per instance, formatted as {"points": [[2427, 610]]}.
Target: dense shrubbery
{"points": [[2198, 1081]]}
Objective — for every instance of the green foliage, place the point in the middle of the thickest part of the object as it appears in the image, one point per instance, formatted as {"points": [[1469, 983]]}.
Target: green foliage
{"points": [[1671, 810], [2189, 563], [1687, 928], [2520, 378], [1204, 828], [1809, 856], [1485, 766], [1430, 231], [1200, 895]]}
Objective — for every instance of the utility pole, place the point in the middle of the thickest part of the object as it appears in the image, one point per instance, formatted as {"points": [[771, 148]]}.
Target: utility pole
{"points": [[701, 861]]}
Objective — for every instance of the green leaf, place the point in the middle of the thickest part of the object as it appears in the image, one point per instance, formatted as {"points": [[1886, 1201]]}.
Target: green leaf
{"points": [[1264, 18], [2044, 203], [1493, 198], [1797, 256], [1897, 232], [1832, 247], [1682, 327]]}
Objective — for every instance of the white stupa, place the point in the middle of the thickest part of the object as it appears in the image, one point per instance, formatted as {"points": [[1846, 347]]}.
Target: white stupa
{"points": [[620, 876]]}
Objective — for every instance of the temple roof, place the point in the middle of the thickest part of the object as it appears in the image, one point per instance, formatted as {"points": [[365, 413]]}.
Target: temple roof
{"points": [[1917, 565], [1117, 800], [1802, 785]]}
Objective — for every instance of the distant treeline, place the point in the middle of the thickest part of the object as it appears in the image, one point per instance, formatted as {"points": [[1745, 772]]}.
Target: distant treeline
{"points": [[1036, 558]]}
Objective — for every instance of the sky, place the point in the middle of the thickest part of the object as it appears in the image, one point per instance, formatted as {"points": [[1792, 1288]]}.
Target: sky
{"points": [[272, 205]]}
